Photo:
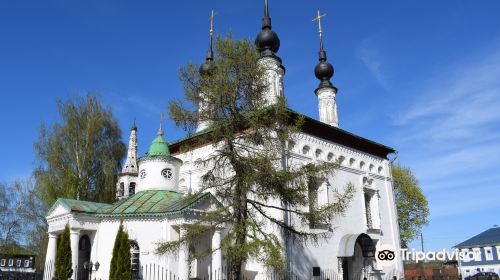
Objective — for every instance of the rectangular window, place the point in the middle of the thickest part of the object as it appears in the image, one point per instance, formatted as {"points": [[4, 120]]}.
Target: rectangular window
{"points": [[477, 254], [11, 262], [313, 197], [488, 253], [498, 252], [26, 263], [2, 262], [368, 211], [131, 189], [18, 263]]}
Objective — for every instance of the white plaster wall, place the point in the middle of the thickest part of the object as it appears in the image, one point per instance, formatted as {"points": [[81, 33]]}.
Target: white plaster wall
{"points": [[354, 221], [153, 179], [146, 232]]}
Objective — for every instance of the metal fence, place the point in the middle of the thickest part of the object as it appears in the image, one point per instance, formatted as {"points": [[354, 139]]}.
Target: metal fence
{"points": [[158, 272], [21, 275]]}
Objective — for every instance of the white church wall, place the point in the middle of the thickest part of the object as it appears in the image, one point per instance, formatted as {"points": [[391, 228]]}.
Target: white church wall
{"points": [[158, 174], [146, 232], [355, 165]]}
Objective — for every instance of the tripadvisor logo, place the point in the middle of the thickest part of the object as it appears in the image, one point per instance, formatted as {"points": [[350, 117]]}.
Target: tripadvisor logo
{"points": [[386, 255]]}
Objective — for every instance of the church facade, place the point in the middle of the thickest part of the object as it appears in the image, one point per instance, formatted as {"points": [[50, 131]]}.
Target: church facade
{"points": [[152, 202]]}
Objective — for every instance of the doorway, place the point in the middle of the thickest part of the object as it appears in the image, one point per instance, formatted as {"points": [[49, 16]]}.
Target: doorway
{"points": [[84, 248]]}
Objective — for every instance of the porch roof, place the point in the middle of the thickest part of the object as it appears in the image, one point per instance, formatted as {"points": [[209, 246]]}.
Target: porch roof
{"points": [[144, 203]]}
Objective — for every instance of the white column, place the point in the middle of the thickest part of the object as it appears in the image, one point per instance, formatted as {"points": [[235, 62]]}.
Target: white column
{"points": [[74, 236], [183, 266], [274, 75], [327, 106], [202, 108], [216, 253], [51, 256]]}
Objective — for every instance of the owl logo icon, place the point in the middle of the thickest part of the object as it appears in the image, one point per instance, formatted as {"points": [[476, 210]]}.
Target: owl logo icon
{"points": [[386, 255]]}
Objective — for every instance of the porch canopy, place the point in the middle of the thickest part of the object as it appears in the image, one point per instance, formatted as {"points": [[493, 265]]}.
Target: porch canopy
{"points": [[348, 242]]}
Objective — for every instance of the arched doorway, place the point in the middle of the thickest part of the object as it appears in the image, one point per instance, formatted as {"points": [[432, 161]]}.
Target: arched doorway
{"points": [[84, 248], [134, 258], [357, 252]]}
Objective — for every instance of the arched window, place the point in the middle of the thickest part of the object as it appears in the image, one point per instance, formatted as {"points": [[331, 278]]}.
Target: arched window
{"points": [[121, 191], [183, 186], [131, 189], [305, 150], [318, 153], [380, 169], [341, 159], [318, 197], [351, 162], [330, 156], [134, 259], [371, 167], [362, 165]]}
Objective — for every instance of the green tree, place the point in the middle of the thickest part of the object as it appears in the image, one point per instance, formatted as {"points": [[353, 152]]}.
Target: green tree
{"points": [[411, 204], [22, 223], [121, 267], [249, 171], [63, 262], [80, 157]]}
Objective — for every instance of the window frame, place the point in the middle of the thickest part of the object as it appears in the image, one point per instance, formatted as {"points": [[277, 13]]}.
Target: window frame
{"points": [[131, 186], [167, 173], [3, 262], [477, 254], [488, 253], [11, 262], [26, 263]]}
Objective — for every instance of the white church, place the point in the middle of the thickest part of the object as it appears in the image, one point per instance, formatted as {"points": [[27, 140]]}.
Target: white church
{"points": [[152, 199]]}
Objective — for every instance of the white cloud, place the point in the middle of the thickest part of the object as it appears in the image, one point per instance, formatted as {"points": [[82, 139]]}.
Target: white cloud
{"points": [[372, 59], [450, 135], [468, 95]]}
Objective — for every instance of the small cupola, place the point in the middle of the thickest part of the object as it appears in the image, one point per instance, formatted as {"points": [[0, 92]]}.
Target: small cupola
{"points": [[326, 91], [324, 70], [267, 41], [208, 66], [158, 170]]}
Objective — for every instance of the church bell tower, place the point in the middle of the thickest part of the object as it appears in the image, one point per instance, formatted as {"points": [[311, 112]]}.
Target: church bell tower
{"points": [[127, 180]]}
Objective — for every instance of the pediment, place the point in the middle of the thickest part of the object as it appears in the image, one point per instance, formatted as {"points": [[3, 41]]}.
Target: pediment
{"points": [[57, 210]]}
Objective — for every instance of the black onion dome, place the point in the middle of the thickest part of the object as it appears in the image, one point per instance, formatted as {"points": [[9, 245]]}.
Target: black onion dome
{"points": [[267, 42], [324, 71], [207, 67]]}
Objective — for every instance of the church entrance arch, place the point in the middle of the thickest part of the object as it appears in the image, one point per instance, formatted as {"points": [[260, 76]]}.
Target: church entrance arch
{"points": [[357, 253], [135, 259], [84, 249]]}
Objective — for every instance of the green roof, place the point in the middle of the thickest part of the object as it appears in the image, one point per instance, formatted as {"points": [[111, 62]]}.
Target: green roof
{"points": [[144, 203], [79, 205], [159, 147]]}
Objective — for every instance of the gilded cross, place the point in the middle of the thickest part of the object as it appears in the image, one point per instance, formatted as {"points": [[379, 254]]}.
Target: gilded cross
{"points": [[212, 16], [320, 30], [160, 130]]}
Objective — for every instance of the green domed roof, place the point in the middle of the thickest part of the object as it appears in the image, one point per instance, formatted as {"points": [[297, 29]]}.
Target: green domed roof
{"points": [[159, 147]]}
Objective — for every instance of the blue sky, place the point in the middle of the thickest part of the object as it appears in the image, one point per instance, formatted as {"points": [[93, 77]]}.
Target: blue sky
{"points": [[420, 76]]}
